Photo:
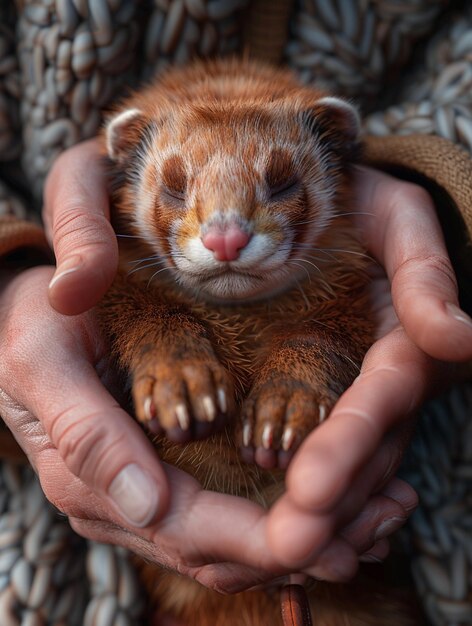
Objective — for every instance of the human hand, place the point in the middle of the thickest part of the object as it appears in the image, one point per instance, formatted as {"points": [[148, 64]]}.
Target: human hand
{"points": [[358, 449], [401, 230], [79, 441]]}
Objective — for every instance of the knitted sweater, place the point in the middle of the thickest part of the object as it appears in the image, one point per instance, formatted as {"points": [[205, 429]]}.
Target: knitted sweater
{"points": [[407, 63]]}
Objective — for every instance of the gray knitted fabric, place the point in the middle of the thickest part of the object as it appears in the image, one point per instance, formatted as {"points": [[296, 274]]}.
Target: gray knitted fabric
{"points": [[51, 577], [65, 61]]}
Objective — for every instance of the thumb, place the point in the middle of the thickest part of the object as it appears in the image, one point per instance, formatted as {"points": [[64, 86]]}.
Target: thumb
{"points": [[76, 216], [101, 445]]}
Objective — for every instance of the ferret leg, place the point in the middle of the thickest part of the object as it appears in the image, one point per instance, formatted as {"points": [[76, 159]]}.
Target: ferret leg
{"points": [[178, 384], [294, 390]]}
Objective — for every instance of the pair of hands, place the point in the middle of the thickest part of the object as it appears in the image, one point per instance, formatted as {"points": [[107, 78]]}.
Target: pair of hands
{"points": [[97, 466]]}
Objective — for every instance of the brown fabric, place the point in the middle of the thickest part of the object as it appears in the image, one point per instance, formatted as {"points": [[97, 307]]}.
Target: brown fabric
{"points": [[267, 30], [295, 607], [445, 170], [439, 160], [17, 234]]}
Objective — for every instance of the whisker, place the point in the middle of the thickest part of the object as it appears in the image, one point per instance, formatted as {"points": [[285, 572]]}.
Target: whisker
{"points": [[299, 287], [310, 248], [316, 220], [313, 221], [362, 254], [129, 236], [326, 251], [137, 269], [156, 273], [309, 263], [303, 268], [149, 258], [355, 213]]}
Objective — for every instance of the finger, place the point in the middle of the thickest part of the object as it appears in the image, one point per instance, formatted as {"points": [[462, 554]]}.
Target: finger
{"points": [[302, 541], [378, 553], [298, 537], [197, 537], [380, 518], [337, 563], [173, 542], [343, 461], [76, 216], [221, 577], [208, 521], [99, 442], [403, 493], [197, 530], [378, 477], [394, 379], [404, 234]]}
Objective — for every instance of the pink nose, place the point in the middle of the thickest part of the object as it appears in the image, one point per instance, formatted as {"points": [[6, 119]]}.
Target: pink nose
{"points": [[225, 244]]}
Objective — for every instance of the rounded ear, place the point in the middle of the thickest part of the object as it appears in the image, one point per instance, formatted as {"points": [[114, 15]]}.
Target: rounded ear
{"points": [[337, 123], [340, 113], [122, 132]]}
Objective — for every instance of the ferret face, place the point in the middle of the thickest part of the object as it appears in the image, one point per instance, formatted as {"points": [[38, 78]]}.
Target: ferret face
{"points": [[232, 196]]}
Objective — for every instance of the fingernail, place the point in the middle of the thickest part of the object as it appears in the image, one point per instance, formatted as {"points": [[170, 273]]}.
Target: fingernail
{"points": [[389, 526], [458, 314], [135, 495], [68, 266]]}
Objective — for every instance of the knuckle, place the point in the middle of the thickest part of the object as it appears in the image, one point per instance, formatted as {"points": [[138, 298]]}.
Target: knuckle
{"points": [[76, 226], [442, 267], [435, 266], [84, 444]]}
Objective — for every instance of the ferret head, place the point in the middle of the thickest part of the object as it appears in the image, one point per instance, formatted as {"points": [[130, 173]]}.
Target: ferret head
{"points": [[233, 194]]}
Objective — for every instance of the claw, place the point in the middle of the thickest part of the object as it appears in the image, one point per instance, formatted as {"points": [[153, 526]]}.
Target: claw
{"points": [[288, 438], [209, 408], [182, 416], [322, 412], [247, 434], [267, 436], [147, 408], [222, 400]]}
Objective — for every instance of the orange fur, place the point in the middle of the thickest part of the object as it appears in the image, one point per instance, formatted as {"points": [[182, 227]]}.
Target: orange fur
{"points": [[238, 141]]}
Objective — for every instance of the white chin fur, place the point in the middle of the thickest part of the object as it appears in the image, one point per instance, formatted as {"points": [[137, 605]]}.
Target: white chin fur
{"points": [[230, 287], [262, 259]]}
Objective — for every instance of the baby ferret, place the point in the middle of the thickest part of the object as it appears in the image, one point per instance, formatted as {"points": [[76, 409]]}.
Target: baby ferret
{"points": [[241, 309]]}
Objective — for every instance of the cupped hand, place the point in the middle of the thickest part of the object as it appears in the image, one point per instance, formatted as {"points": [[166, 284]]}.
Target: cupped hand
{"points": [[358, 449], [97, 466], [342, 477]]}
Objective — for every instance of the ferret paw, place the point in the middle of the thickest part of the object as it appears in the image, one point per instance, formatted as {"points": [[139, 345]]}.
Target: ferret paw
{"points": [[186, 400], [276, 418]]}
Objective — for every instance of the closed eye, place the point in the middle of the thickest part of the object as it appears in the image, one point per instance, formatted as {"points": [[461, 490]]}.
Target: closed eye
{"points": [[174, 195], [174, 179], [284, 189]]}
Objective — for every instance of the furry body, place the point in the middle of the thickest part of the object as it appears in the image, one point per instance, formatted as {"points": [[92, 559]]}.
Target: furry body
{"points": [[249, 353]]}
